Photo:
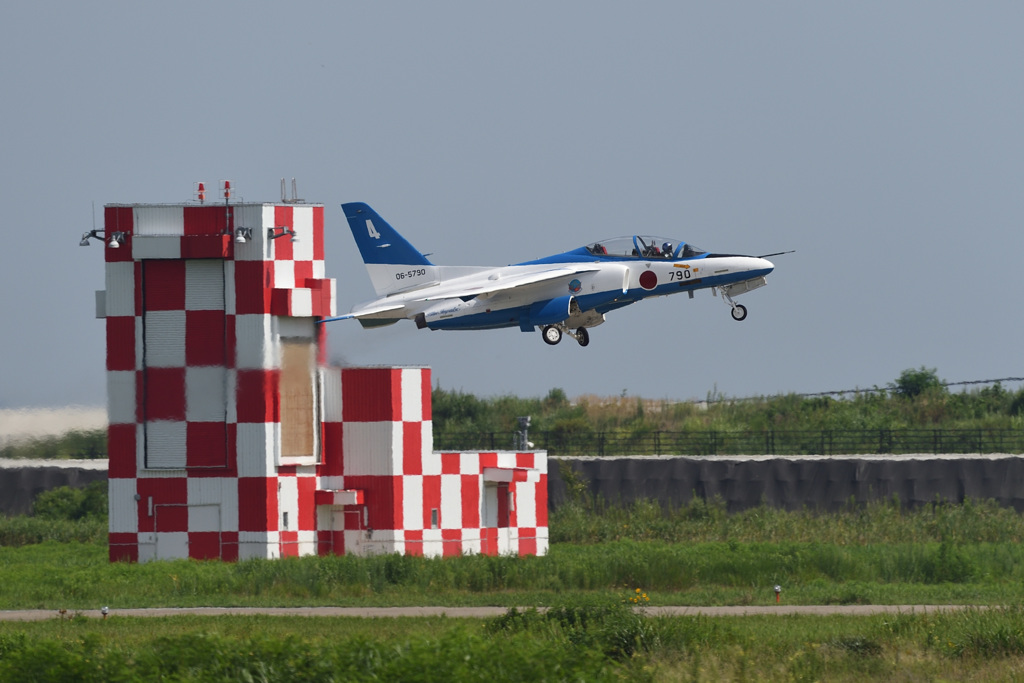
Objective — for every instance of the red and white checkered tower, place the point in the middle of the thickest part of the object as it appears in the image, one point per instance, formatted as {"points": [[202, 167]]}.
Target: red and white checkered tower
{"points": [[228, 437], [212, 349]]}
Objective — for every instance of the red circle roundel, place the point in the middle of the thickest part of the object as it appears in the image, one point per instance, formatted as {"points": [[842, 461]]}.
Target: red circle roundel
{"points": [[648, 280]]}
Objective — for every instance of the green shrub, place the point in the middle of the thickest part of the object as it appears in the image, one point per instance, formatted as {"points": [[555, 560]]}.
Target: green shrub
{"points": [[12, 642], [69, 503], [914, 383]]}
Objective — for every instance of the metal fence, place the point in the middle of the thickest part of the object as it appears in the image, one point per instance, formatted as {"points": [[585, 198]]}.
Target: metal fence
{"points": [[767, 442]]}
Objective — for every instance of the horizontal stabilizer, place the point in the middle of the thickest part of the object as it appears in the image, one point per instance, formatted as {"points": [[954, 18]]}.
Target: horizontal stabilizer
{"points": [[369, 311]]}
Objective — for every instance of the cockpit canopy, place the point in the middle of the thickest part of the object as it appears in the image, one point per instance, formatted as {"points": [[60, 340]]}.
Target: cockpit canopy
{"points": [[644, 247]]}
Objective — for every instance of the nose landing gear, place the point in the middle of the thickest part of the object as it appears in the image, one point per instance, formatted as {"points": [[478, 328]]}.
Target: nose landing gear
{"points": [[739, 311]]}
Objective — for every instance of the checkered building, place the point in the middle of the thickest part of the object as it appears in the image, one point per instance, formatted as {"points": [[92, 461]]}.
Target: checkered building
{"points": [[390, 492], [228, 436]]}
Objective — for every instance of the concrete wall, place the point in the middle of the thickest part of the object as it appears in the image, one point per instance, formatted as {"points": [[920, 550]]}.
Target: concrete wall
{"points": [[791, 483], [22, 480], [795, 482]]}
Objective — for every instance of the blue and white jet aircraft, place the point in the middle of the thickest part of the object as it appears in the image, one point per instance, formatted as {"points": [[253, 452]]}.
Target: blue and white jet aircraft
{"points": [[564, 294]]}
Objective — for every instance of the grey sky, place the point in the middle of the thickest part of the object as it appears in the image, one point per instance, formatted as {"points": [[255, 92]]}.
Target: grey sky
{"points": [[883, 141]]}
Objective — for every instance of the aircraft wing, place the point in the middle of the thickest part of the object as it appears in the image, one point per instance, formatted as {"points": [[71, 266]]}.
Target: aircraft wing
{"points": [[474, 288], [368, 311], [489, 287]]}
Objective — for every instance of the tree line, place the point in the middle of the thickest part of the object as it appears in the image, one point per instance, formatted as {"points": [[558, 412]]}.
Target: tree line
{"points": [[916, 400]]}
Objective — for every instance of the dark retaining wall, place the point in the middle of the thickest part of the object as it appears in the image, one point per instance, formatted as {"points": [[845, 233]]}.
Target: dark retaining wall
{"points": [[790, 483], [20, 485], [793, 483]]}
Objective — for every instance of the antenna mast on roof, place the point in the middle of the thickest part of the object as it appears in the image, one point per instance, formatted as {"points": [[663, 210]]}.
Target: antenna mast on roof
{"points": [[227, 206], [295, 194]]}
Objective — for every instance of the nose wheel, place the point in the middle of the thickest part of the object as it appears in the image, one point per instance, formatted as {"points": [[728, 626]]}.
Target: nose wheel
{"points": [[739, 311]]}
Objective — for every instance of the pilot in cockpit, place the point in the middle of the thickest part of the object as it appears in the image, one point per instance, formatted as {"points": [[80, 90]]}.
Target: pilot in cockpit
{"points": [[666, 250]]}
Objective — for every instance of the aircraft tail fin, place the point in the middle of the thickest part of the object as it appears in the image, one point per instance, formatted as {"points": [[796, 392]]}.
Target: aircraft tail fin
{"points": [[393, 263]]}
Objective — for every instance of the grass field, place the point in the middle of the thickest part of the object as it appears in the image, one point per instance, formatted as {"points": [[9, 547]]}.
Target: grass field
{"points": [[600, 557], [696, 555], [586, 641], [77, 576]]}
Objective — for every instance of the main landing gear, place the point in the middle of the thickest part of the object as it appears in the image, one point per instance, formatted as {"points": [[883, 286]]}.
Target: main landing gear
{"points": [[552, 334], [739, 311]]}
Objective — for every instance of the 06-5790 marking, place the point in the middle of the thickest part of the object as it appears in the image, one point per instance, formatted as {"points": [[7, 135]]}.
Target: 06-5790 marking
{"points": [[418, 272]]}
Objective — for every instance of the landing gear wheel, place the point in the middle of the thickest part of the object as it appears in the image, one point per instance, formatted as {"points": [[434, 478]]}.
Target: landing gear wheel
{"points": [[551, 334], [739, 312], [582, 336]]}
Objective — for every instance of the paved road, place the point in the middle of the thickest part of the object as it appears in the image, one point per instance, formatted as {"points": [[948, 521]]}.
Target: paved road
{"points": [[472, 612]]}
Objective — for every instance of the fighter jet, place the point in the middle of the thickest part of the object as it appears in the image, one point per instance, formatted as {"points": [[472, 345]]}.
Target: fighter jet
{"points": [[564, 295]]}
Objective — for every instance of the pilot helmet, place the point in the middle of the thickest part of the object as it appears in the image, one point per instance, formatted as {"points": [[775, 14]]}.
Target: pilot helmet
{"points": [[667, 247]]}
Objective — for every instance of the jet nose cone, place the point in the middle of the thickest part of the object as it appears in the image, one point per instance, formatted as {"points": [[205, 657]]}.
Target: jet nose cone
{"points": [[757, 266], [764, 264]]}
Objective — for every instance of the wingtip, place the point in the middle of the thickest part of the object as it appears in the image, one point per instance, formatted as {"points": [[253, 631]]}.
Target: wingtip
{"points": [[331, 320]]}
